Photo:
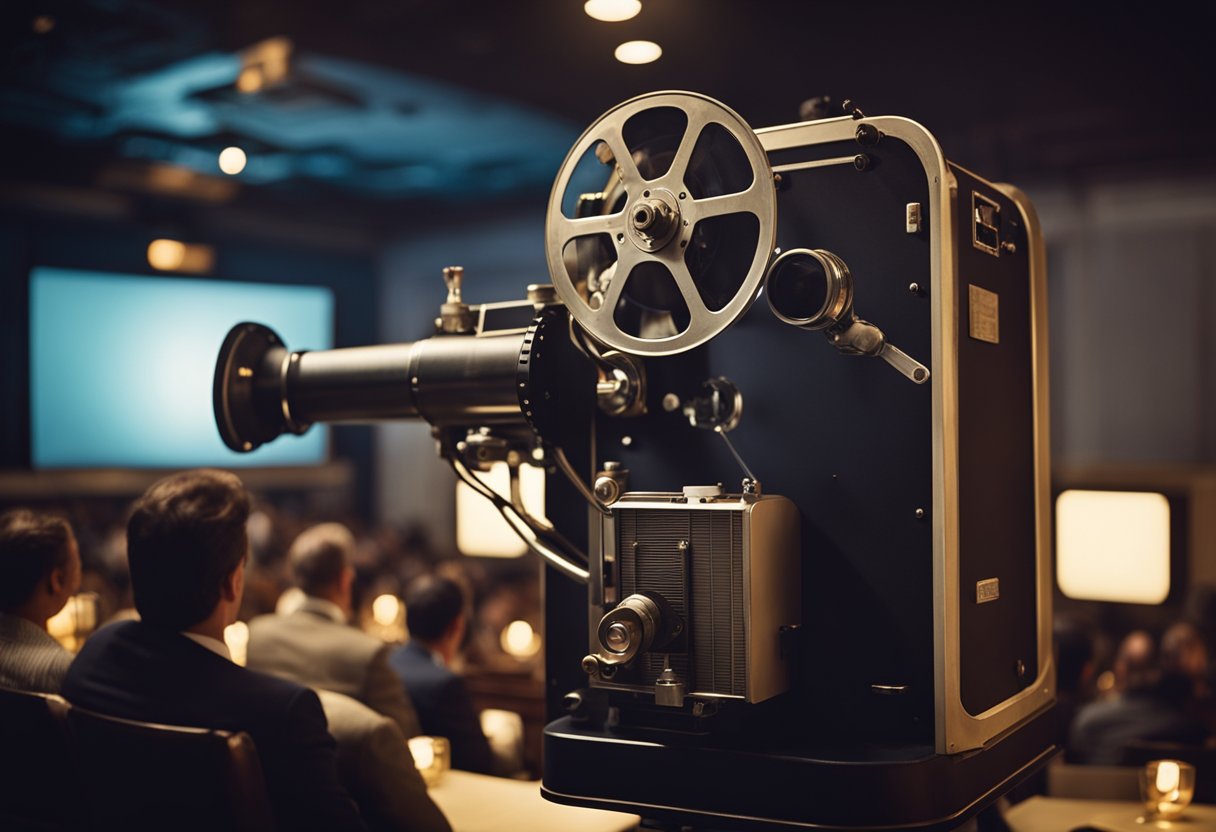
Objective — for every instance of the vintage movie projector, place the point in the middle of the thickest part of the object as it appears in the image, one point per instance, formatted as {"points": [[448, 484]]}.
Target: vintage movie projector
{"points": [[790, 388]]}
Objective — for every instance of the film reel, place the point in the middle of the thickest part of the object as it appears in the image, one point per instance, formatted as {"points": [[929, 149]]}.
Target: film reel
{"points": [[673, 250]]}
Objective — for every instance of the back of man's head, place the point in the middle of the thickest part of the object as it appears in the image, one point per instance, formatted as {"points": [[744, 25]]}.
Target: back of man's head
{"points": [[320, 556], [431, 605], [31, 545], [1136, 662], [185, 536]]}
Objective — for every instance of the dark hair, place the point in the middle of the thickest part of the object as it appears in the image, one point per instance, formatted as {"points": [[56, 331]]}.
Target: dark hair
{"points": [[319, 556], [185, 536], [31, 545], [431, 605], [1074, 650]]}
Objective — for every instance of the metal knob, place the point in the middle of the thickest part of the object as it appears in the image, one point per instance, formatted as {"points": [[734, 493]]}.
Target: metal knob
{"points": [[617, 637]]}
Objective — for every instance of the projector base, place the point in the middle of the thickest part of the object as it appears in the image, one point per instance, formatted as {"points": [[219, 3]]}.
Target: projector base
{"points": [[683, 780]]}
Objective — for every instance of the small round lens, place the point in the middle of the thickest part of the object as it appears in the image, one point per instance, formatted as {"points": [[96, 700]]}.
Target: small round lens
{"points": [[798, 287]]}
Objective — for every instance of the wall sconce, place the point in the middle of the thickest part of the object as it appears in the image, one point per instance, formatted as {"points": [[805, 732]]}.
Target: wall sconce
{"points": [[1113, 546], [480, 529]]}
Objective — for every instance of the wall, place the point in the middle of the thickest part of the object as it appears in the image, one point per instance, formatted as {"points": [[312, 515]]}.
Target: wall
{"points": [[1132, 275]]}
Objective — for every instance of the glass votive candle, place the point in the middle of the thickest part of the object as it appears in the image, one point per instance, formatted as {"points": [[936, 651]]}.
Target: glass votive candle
{"points": [[432, 757], [1167, 787]]}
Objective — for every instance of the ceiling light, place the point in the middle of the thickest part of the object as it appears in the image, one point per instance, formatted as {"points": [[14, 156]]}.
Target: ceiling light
{"points": [[232, 160], [638, 52], [612, 11]]}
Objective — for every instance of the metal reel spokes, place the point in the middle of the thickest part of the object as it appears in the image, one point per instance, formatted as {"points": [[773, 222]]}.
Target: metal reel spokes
{"points": [[673, 249]]}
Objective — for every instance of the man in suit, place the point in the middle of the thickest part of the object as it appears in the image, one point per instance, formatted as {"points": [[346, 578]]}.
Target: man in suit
{"points": [[377, 769], [187, 546], [434, 614], [39, 572], [315, 646]]}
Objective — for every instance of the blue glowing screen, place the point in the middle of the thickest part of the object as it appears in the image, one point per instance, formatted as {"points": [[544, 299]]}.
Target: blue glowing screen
{"points": [[121, 367]]}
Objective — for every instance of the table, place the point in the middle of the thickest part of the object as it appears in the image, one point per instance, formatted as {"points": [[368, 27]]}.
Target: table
{"points": [[1058, 814], [479, 803]]}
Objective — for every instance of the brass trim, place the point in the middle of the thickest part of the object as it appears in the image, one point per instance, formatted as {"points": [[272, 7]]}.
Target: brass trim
{"points": [[955, 729]]}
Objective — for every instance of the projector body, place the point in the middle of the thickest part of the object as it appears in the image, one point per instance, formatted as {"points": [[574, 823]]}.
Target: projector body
{"points": [[790, 389]]}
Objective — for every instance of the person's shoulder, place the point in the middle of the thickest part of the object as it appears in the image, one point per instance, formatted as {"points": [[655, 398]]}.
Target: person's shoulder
{"points": [[348, 718], [117, 633], [269, 684], [1094, 715]]}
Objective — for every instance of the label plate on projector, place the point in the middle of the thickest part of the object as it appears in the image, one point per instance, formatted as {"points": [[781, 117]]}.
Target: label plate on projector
{"points": [[984, 314], [987, 590]]}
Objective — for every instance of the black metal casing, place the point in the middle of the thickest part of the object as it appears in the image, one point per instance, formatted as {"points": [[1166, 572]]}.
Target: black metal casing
{"points": [[918, 698]]}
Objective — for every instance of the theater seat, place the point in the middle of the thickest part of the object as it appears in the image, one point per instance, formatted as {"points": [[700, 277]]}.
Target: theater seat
{"points": [[39, 778], [137, 775]]}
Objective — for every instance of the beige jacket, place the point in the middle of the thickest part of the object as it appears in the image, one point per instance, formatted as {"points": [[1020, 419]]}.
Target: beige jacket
{"points": [[311, 647]]}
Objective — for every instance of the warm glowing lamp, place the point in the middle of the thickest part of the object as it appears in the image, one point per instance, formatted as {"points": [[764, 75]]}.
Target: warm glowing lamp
{"points": [[638, 52], [518, 639], [432, 757], [612, 11], [232, 160], [1113, 546], [1167, 788], [385, 610], [176, 256], [480, 529], [236, 636]]}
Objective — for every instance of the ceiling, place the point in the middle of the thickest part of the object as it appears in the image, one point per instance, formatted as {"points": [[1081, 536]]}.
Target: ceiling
{"points": [[392, 105]]}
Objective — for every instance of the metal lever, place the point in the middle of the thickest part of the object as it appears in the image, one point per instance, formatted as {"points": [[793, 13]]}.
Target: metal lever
{"points": [[903, 362], [858, 337], [793, 295]]}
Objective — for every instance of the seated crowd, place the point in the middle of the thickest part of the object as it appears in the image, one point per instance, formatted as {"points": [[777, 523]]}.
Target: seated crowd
{"points": [[328, 707], [1156, 691]]}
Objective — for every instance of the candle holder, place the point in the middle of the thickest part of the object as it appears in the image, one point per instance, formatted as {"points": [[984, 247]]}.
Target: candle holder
{"points": [[1167, 788], [432, 757]]}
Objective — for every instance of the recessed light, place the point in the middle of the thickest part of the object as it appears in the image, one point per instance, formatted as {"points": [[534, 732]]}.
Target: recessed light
{"points": [[612, 11], [638, 52]]}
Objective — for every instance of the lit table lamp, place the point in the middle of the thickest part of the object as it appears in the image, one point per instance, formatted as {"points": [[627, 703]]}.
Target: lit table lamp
{"points": [[1167, 787], [432, 757]]}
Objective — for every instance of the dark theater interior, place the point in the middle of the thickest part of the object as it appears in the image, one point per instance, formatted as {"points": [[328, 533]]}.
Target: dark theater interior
{"points": [[680, 415]]}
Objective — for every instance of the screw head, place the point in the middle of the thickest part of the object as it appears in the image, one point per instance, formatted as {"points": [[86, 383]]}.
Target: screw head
{"points": [[920, 512]]}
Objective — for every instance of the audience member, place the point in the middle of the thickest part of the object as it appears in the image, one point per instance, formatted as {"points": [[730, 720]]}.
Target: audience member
{"points": [[1146, 707], [377, 769], [1074, 668], [434, 614], [1184, 657], [187, 546], [315, 646], [39, 572]]}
